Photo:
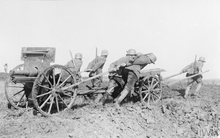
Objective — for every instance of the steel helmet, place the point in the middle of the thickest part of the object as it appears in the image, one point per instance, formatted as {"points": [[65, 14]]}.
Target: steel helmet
{"points": [[104, 53], [202, 59], [78, 56], [131, 52], [152, 57]]}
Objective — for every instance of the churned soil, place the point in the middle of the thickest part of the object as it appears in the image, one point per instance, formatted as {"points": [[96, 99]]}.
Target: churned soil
{"points": [[172, 117]]}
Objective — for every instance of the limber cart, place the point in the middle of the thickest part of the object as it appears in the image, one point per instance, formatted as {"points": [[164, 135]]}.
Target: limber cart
{"points": [[52, 89]]}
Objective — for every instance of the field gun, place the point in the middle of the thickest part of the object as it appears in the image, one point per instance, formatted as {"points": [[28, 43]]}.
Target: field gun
{"points": [[35, 60], [21, 78]]}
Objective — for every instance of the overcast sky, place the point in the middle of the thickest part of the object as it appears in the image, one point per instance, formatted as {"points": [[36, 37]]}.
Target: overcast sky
{"points": [[174, 30]]}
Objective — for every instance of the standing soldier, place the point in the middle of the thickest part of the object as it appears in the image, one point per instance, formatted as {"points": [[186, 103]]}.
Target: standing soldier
{"points": [[6, 68], [192, 69], [95, 68], [75, 65]]}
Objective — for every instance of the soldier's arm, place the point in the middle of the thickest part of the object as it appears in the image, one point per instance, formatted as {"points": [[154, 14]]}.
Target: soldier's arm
{"points": [[98, 64], [91, 64], [78, 66], [187, 67]]}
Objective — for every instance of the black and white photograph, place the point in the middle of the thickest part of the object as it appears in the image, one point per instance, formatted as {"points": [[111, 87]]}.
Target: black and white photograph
{"points": [[110, 69]]}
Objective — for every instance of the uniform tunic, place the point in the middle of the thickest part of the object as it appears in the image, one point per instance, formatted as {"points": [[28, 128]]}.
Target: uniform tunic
{"points": [[139, 64], [96, 66], [194, 68], [75, 66], [122, 78], [117, 63]]}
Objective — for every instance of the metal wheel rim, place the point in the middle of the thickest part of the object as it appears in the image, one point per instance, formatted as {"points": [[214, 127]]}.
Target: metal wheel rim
{"points": [[49, 100], [15, 92], [150, 90]]}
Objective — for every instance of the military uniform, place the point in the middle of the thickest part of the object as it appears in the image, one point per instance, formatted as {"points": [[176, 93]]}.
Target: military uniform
{"points": [[121, 76], [96, 66], [127, 77], [192, 69], [75, 66]]}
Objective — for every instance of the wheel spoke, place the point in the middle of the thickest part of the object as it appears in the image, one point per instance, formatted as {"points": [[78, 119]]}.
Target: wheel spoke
{"points": [[152, 82], [44, 87], [145, 86], [148, 81], [18, 92], [148, 102], [152, 97], [146, 96], [20, 99], [51, 104], [54, 81], [45, 101], [47, 80], [155, 95], [59, 78], [44, 94], [15, 86], [157, 89], [64, 81], [58, 109], [62, 100], [155, 84]]}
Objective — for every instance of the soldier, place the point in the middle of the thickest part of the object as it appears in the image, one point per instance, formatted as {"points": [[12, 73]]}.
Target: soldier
{"points": [[192, 69], [6, 68], [129, 74], [95, 68], [75, 65]]}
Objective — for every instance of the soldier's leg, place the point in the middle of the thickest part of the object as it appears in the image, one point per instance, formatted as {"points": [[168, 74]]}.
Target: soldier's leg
{"points": [[131, 80], [200, 82], [189, 85], [111, 87], [91, 74], [97, 85]]}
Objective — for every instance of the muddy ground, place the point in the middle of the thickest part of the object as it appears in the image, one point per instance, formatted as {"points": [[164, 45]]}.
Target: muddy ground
{"points": [[172, 117]]}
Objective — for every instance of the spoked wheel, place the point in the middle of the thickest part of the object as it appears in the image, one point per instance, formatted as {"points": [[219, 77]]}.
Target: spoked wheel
{"points": [[150, 90], [48, 94], [16, 91]]}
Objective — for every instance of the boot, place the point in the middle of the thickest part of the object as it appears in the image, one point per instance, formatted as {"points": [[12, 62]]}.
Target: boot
{"points": [[198, 87], [104, 98], [98, 98], [124, 93], [186, 91]]}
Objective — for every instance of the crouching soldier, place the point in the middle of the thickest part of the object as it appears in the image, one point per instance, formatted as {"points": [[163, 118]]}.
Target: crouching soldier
{"points": [[139, 63], [119, 77], [192, 69], [130, 74], [75, 65]]}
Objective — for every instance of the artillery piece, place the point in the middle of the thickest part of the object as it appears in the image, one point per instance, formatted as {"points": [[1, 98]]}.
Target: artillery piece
{"points": [[19, 84], [26, 81]]}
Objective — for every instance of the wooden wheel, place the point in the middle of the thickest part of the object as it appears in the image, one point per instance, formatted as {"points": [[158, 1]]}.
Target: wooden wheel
{"points": [[47, 93], [150, 90], [16, 92]]}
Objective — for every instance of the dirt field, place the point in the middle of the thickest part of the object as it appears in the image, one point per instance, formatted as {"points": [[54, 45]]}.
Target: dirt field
{"points": [[172, 117]]}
